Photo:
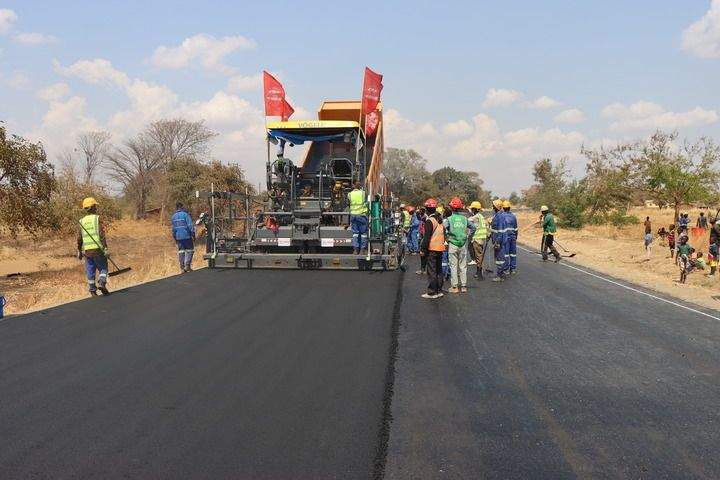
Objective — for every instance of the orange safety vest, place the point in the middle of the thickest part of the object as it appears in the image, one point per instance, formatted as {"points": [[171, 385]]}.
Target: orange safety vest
{"points": [[437, 238]]}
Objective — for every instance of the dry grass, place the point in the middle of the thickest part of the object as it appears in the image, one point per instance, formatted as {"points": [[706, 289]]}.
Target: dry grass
{"points": [[620, 252], [52, 275]]}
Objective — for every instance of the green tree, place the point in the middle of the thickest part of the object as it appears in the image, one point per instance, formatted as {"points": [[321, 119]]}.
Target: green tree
{"points": [[677, 176], [607, 181], [27, 180], [407, 175], [455, 183], [551, 180]]}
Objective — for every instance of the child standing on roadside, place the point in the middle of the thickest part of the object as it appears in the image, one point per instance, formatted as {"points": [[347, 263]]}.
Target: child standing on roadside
{"points": [[671, 240]]}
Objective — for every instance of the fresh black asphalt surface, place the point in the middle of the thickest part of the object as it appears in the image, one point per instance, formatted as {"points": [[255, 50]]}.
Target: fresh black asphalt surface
{"points": [[285, 375], [211, 375]]}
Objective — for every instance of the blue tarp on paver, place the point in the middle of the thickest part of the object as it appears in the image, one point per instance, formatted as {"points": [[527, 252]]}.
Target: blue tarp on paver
{"points": [[299, 139]]}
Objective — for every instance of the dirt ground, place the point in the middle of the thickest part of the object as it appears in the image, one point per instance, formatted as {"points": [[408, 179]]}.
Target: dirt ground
{"points": [[41, 273], [620, 252]]}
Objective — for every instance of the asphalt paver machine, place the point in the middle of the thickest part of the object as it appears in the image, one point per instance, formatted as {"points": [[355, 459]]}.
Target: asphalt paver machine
{"points": [[304, 221]]}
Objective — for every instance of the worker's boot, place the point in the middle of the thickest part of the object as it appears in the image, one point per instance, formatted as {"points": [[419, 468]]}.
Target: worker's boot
{"points": [[498, 279], [104, 289], [453, 290], [93, 293], [356, 251], [463, 289]]}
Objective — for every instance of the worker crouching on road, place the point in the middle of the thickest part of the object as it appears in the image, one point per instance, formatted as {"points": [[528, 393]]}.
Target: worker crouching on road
{"points": [[480, 235], [512, 230], [549, 230], [92, 246], [459, 229], [433, 246], [499, 235], [358, 218], [183, 231]]}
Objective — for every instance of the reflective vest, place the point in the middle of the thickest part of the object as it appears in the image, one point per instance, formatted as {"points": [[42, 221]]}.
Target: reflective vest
{"points": [[357, 202], [458, 230], [406, 219], [481, 230], [437, 238], [90, 231]]}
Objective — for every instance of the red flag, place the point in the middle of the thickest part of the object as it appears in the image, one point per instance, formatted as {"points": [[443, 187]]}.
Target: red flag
{"points": [[287, 110], [275, 104], [372, 86], [372, 120]]}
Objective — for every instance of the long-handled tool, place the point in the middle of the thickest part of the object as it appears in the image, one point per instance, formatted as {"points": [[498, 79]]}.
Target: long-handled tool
{"points": [[572, 254], [118, 270]]}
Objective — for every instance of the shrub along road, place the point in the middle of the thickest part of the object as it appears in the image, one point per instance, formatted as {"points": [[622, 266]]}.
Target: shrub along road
{"points": [[267, 374]]}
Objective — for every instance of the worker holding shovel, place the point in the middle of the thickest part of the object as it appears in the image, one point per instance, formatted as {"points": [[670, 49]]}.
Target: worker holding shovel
{"points": [[92, 247]]}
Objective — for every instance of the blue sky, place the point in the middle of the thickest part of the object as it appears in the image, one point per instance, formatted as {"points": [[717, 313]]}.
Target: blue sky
{"points": [[485, 86]]}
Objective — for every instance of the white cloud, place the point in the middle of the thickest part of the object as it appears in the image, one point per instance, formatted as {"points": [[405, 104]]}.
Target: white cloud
{"points": [[242, 83], [645, 116], [95, 71], [56, 91], [18, 80], [501, 97], [206, 49], [702, 38], [461, 128], [33, 38], [572, 115], [7, 19], [543, 102]]}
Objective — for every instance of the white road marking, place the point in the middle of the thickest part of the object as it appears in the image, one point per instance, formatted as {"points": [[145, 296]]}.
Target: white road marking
{"points": [[628, 287]]}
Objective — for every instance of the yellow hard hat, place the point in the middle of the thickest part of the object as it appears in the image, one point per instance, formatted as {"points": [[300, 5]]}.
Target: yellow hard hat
{"points": [[544, 208], [476, 205], [89, 202], [440, 209], [497, 203], [506, 204]]}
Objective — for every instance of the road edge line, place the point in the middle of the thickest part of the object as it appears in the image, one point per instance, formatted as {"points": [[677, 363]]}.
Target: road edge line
{"points": [[632, 289]]}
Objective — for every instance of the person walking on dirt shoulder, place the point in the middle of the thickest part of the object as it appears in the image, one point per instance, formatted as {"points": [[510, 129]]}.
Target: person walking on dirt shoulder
{"points": [[358, 218], [512, 227], [549, 230], [92, 246], [183, 232], [478, 239], [433, 246], [459, 230]]}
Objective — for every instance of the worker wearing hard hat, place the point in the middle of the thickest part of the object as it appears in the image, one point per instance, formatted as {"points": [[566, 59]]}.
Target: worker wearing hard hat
{"points": [[512, 226], [549, 230], [499, 235], [433, 246], [183, 231], [459, 229], [480, 235], [92, 247], [358, 217]]}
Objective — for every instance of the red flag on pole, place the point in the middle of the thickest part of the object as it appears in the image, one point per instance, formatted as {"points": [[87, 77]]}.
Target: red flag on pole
{"points": [[372, 120], [275, 103], [372, 86], [287, 111]]}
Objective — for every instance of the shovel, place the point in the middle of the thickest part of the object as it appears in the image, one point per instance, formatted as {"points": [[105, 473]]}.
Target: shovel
{"points": [[118, 270]]}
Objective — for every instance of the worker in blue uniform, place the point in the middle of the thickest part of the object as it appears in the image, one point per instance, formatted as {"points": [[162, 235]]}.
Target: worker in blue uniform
{"points": [[512, 233], [413, 245], [183, 232], [499, 236]]}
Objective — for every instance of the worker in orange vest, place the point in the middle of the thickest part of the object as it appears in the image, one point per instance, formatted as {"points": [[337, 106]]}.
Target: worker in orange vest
{"points": [[433, 246]]}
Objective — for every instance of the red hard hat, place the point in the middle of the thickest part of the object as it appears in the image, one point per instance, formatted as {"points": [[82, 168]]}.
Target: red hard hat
{"points": [[430, 203], [456, 203]]}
